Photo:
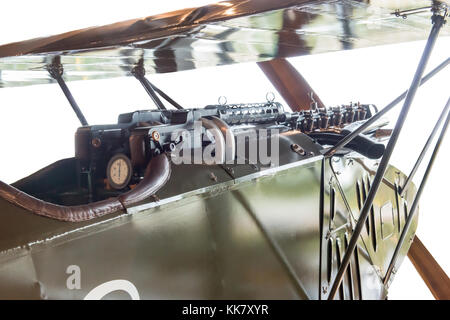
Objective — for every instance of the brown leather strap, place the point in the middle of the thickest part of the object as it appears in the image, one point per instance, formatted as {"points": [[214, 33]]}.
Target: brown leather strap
{"points": [[156, 175]]}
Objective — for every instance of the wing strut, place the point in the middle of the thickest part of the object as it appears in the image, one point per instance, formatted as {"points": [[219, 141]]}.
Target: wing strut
{"points": [[430, 271], [349, 137], [290, 84], [166, 97], [438, 21], [56, 71], [425, 148], [139, 73], [415, 203]]}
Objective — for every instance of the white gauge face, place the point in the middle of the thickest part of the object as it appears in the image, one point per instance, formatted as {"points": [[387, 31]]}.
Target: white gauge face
{"points": [[119, 171]]}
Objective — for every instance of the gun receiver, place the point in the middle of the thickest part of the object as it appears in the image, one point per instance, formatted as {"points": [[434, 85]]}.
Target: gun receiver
{"points": [[140, 135]]}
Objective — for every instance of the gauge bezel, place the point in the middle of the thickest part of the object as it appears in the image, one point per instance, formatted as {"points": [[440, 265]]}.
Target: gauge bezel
{"points": [[108, 171]]}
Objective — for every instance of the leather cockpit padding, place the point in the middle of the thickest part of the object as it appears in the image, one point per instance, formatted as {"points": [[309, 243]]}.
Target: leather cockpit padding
{"points": [[156, 175]]}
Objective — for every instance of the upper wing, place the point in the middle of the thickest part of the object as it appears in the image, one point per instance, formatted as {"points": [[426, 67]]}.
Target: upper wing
{"points": [[227, 32]]}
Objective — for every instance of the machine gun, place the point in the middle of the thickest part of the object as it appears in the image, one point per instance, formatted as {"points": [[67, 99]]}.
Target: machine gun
{"points": [[117, 154]]}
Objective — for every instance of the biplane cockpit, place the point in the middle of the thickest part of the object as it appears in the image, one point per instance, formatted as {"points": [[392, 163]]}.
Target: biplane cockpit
{"points": [[202, 187]]}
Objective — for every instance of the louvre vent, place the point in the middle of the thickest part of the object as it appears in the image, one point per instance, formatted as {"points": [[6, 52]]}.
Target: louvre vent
{"points": [[329, 259], [338, 258], [349, 271], [363, 189]]}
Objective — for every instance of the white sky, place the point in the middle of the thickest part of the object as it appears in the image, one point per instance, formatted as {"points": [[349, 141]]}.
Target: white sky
{"points": [[41, 126]]}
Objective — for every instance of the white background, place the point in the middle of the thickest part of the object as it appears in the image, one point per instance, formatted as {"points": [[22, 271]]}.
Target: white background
{"points": [[37, 124]]}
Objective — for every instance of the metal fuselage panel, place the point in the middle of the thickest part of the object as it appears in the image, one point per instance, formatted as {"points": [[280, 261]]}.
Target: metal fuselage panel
{"points": [[346, 185], [209, 244]]}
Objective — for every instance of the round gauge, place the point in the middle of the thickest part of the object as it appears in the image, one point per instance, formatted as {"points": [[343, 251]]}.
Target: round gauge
{"points": [[119, 171]]}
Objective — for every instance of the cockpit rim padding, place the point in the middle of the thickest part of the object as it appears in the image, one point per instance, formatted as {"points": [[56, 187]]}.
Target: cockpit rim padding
{"points": [[156, 176]]}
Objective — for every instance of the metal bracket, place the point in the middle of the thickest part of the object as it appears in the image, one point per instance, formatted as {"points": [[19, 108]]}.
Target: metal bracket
{"points": [[437, 8], [405, 13], [55, 68]]}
